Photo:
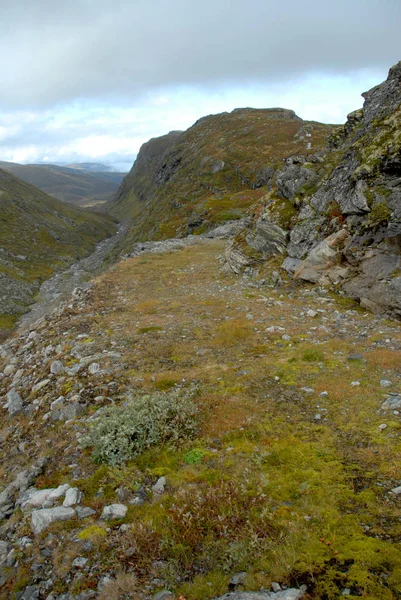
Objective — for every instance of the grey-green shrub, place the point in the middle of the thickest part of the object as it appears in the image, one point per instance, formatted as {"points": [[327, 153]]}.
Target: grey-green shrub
{"points": [[119, 433]]}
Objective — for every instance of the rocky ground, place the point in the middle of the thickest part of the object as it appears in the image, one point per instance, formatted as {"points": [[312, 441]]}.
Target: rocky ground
{"points": [[290, 485], [59, 288]]}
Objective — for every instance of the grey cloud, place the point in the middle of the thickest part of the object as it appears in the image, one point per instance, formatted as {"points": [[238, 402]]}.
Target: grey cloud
{"points": [[53, 53]]}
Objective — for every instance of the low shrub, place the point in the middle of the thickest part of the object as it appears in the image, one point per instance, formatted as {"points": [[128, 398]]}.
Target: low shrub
{"points": [[119, 433]]}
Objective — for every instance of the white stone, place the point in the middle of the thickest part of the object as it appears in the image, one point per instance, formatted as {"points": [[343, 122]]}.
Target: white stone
{"points": [[9, 370], [35, 498], [18, 376], [59, 492], [4, 550], [392, 402], [311, 313], [79, 562], [41, 519], [36, 388], [396, 490], [307, 390], [14, 402], [56, 403], [159, 486], [382, 426], [56, 367], [114, 511], [384, 383], [72, 497], [94, 368]]}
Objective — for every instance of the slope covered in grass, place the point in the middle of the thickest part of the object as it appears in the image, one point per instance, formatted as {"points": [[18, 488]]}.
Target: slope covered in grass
{"points": [[38, 236], [72, 185], [290, 473]]}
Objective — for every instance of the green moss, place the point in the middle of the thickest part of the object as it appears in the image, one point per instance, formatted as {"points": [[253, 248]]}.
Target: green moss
{"points": [[194, 456], [93, 532], [313, 355], [379, 214], [150, 329]]}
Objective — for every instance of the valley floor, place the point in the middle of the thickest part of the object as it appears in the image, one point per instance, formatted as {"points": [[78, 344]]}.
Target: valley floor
{"points": [[293, 476]]}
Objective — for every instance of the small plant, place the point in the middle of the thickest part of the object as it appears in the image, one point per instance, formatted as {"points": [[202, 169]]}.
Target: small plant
{"points": [[122, 432], [313, 355], [194, 457], [125, 585], [92, 533], [379, 214]]}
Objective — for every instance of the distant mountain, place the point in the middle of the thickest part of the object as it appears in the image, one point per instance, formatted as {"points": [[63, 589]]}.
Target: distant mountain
{"points": [[38, 236], [90, 166], [188, 182], [75, 185]]}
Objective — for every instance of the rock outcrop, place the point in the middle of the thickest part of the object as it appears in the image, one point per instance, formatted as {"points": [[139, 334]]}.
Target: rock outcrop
{"points": [[345, 224]]}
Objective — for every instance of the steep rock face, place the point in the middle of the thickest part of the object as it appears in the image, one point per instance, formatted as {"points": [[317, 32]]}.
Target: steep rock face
{"points": [[357, 191], [38, 236], [189, 182]]}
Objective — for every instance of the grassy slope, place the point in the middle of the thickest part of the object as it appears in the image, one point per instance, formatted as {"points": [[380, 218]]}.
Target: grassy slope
{"points": [[266, 488], [69, 185], [49, 234], [173, 182]]}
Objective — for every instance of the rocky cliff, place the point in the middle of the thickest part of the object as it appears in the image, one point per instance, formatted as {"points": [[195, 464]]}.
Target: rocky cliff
{"points": [[187, 182], [345, 211]]}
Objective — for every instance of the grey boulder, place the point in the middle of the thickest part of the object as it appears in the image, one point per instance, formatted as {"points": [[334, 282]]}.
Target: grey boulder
{"points": [[41, 519]]}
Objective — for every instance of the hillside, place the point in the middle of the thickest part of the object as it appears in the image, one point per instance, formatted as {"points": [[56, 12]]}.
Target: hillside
{"points": [[39, 235], [73, 185], [187, 182], [345, 221], [244, 434]]}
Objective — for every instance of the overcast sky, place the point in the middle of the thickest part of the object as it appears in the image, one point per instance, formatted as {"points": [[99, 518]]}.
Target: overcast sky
{"points": [[93, 79]]}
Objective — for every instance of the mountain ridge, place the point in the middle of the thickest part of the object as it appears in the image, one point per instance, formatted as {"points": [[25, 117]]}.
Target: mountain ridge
{"points": [[73, 185], [189, 182]]}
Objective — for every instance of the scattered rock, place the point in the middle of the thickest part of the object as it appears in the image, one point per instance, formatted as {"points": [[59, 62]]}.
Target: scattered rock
{"points": [[355, 357], [308, 390], [41, 519], [14, 403], [114, 511], [39, 386], [84, 512], [392, 402], [159, 486], [164, 595], [31, 592], [73, 496], [238, 579], [57, 367], [290, 594], [79, 562], [4, 550]]}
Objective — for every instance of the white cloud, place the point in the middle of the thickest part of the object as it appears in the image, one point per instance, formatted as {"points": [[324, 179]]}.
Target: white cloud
{"points": [[99, 131]]}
